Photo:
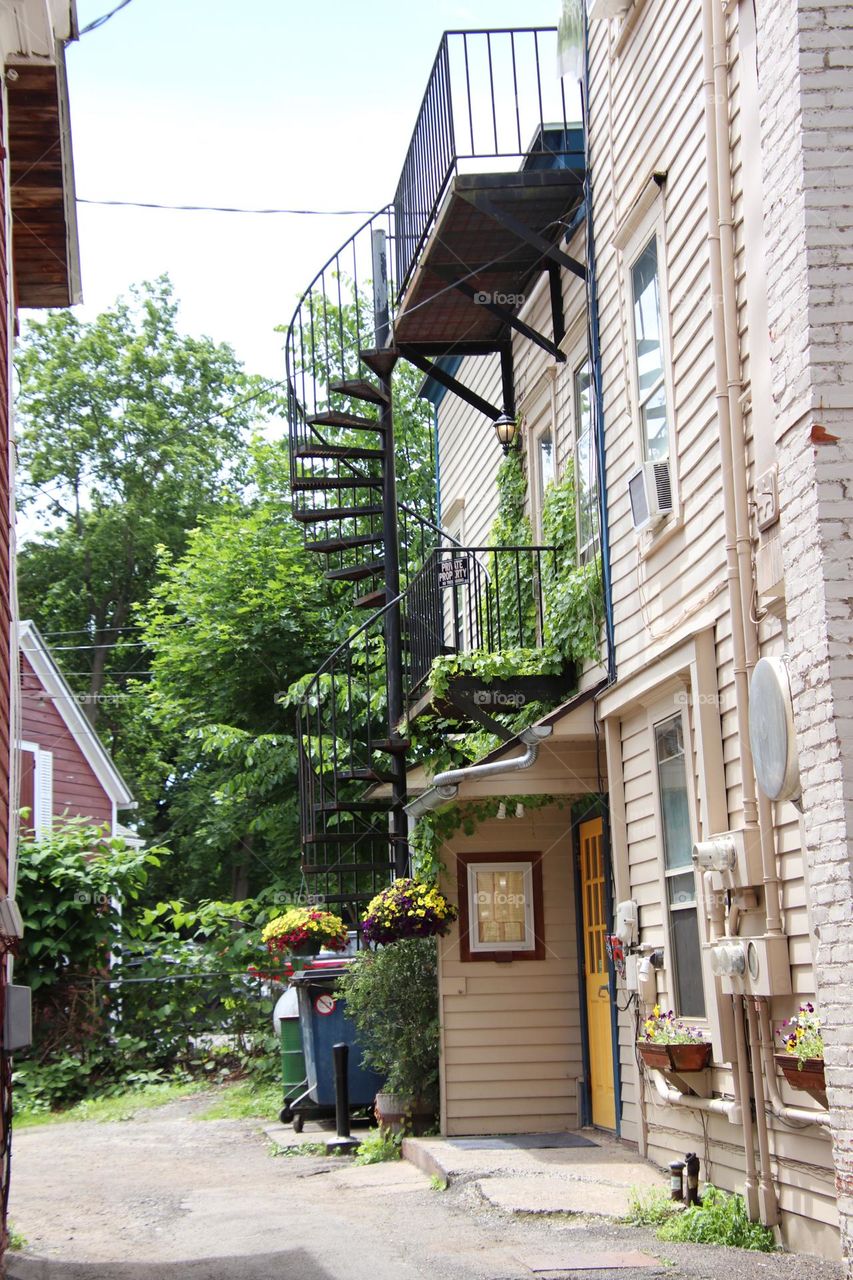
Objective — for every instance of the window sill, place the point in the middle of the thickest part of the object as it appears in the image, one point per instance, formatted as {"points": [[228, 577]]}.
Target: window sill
{"points": [[655, 539]]}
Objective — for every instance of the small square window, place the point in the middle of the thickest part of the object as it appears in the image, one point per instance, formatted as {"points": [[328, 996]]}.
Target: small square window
{"points": [[500, 907]]}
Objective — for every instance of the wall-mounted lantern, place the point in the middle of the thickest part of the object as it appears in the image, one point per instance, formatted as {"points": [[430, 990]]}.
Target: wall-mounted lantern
{"points": [[506, 430]]}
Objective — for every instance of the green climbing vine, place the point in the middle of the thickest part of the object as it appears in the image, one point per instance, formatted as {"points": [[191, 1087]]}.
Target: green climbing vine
{"points": [[573, 612], [435, 829]]}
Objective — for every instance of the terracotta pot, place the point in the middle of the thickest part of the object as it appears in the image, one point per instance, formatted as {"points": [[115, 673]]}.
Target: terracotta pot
{"points": [[675, 1057], [402, 1113], [810, 1079]]}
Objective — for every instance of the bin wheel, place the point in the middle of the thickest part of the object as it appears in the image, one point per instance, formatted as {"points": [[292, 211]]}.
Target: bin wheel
{"points": [[285, 1115], [298, 1122]]}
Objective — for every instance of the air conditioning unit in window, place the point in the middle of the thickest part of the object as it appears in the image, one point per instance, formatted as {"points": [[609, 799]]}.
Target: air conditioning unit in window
{"points": [[651, 494], [607, 9]]}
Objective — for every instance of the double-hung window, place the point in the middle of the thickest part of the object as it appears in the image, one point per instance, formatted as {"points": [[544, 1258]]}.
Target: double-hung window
{"points": [[649, 357], [586, 484], [684, 953]]}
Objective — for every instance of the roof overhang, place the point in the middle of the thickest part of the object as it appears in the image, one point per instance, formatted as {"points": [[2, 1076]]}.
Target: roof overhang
{"points": [[45, 249], [56, 687]]}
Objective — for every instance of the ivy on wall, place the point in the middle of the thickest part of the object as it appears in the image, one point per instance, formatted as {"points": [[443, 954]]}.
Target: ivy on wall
{"points": [[435, 829]]}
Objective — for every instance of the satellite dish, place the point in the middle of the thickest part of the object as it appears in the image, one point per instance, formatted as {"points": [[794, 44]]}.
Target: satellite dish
{"points": [[771, 730]]}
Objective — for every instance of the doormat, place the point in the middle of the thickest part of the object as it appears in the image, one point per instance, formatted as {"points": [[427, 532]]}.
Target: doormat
{"points": [[521, 1141], [577, 1261]]}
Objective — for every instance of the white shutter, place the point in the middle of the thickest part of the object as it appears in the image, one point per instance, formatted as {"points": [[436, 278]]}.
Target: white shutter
{"points": [[43, 818]]}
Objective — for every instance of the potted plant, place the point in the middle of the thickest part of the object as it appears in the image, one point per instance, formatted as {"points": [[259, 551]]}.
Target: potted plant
{"points": [[392, 998], [671, 1045], [407, 909], [303, 931], [801, 1062]]}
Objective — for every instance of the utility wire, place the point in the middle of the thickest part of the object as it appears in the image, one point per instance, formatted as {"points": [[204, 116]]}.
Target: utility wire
{"points": [[105, 17], [225, 208]]}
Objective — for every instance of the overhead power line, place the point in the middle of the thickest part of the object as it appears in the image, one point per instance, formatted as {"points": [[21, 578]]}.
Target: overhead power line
{"points": [[105, 17], [222, 208]]}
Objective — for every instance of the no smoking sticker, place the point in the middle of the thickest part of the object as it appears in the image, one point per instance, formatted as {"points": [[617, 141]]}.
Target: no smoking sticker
{"points": [[324, 1004]]}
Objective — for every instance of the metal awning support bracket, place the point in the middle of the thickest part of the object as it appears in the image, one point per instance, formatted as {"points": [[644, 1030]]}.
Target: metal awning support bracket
{"points": [[523, 232]]}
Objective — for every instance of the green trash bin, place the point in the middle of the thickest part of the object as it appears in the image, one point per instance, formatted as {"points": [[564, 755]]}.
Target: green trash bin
{"points": [[293, 1075]]}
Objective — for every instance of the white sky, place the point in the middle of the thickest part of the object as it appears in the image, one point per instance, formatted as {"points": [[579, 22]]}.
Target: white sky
{"points": [[279, 103]]}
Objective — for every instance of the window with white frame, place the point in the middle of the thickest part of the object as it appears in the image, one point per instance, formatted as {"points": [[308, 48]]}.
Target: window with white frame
{"points": [[649, 352], [500, 895], [586, 484], [684, 951]]}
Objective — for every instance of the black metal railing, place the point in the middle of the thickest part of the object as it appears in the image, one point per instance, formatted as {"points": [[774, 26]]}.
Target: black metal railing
{"points": [[468, 599], [492, 95]]}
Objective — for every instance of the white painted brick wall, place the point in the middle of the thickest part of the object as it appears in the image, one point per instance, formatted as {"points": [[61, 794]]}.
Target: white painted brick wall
{"points": [[805, 59]]}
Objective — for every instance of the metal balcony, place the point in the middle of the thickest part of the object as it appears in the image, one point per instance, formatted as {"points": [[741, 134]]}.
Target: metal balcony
{"points": [[492, 177], [468, 600]]}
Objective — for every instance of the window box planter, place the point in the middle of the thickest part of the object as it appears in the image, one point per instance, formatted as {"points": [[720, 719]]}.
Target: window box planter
{"points": [[675, 1057], [810, 1079]]}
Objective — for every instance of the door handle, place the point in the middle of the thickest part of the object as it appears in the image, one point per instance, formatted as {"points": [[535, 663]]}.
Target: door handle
{"points": [[605, 989]]}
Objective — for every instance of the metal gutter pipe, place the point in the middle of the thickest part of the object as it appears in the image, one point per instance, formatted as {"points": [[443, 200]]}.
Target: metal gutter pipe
{"points": [[675, 1098], [445, 786], [595, 361]]}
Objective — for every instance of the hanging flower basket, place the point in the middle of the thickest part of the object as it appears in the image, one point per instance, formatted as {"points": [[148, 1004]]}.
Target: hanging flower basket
{"points": [[806, 1074], [675, 1057], [408, 909], [671, 1045], [802, 1062], [299, 932]]}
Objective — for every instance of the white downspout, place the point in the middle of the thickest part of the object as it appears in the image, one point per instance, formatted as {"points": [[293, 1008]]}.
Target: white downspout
{"points": [[724, 320]]}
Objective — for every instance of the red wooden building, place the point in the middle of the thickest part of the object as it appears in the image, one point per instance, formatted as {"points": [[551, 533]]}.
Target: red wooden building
{"points": [[65, 768]]}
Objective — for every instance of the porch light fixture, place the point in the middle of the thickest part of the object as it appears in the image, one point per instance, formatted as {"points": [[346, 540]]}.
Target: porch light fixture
{"points": [[506, 430]]}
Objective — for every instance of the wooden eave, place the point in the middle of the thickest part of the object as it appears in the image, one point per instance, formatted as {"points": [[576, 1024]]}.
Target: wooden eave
{"points": [[43, 230], [469, 243]]}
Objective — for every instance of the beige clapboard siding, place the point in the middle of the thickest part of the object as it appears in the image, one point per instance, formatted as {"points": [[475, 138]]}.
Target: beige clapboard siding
{"points": [[468, 450], [676, 143], [511, 1052]]}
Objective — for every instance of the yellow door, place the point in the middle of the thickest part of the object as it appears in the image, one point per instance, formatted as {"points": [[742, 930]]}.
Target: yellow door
{"points": [[599, 1027]]}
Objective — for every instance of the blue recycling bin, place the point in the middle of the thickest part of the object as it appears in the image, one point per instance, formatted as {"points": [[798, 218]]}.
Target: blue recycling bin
{"points": [[324, 1023]]}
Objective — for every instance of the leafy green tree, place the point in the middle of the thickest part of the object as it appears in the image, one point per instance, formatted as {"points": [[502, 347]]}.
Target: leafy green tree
{"points": [[129, 432], [231, 624]]}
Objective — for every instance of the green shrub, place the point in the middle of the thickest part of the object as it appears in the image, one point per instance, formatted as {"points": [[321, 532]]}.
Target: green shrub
{"points": [[720, 1219], [379, 1145], [392, 997]]}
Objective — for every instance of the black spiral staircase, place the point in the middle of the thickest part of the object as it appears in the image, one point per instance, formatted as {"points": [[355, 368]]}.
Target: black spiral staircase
{"points": [[409, 284]]}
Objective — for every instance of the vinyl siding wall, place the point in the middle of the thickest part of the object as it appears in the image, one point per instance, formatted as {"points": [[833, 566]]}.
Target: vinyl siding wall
{"points": [[511, 1043], [76, 790], [646, 116]]}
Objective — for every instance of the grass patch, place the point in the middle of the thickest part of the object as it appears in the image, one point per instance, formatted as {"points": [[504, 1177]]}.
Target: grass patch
{"points": [[379, 1145], [303, 1149], [720, 1219], [245, 1101], [118, 1106], [16, 1240], [649, 1208], [437, 1184]]}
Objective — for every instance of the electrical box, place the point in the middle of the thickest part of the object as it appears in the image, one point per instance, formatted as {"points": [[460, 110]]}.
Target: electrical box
{"points": [[768, 966], [734, 858], [11, 922], [752, 966], [632, 977], [18, 1019], [627, 922]]}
